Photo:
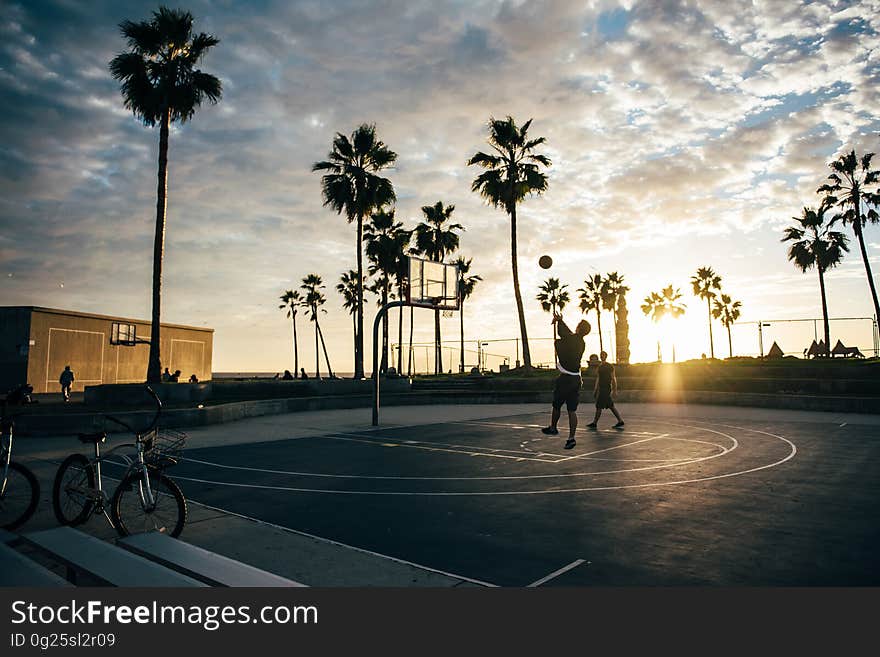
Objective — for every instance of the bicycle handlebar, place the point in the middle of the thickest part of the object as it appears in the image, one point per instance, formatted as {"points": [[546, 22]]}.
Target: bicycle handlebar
{"points": [[155, 420]]}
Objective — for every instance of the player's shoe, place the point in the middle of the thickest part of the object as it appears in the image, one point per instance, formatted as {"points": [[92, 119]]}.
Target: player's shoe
{"points": [[591, 425], [571, 442], [550, 431], [619, 425]]}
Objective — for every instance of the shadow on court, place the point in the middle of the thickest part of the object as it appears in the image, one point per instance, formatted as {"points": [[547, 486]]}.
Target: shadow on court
{"points": [[668, 501]]}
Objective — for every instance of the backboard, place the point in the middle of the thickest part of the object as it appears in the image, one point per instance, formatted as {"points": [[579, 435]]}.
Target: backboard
{"points": [[432, 284]]}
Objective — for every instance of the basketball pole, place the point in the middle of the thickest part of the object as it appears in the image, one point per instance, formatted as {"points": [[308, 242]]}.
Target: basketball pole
{"points": [[376, 324]]}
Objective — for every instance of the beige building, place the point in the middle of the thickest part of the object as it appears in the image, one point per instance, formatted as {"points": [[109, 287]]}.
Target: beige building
{"points": [[37, 343]]}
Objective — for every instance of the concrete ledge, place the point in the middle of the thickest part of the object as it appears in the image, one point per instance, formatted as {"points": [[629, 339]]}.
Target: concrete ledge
{"points": [[71, 423]]}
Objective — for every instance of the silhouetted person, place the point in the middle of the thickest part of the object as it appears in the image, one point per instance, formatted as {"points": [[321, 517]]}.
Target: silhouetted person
{"points": [[166, 376], [302, 373], [20, 395], [569, 351], [287, 376], [193, 378], [175, 377], [606, 386], [66, 380]]}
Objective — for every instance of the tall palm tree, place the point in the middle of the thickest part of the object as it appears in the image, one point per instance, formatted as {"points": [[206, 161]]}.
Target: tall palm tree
{"points": [[466, 286], [553, 297], [850, 186], [666, 303], [727, 310], [614, 292], [348, 288], [292, 300], [352, 186], [591, 295], [386, 240], [511, 175], [312, 301], [706, 285], [161, 84], [436, 237], [814, 244]]}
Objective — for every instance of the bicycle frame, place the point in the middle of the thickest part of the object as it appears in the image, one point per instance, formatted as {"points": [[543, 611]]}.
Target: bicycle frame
{"points": [[5, 447]]}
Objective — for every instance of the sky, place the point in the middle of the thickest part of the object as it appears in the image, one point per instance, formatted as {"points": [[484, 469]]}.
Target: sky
{"points": [[681, 134]]}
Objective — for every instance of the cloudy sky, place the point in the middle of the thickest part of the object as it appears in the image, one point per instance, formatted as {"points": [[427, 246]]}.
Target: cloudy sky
{"points": [[681, 135]]}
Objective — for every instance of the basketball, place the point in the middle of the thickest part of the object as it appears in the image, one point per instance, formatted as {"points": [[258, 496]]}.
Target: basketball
{"points": [[545, 261]]}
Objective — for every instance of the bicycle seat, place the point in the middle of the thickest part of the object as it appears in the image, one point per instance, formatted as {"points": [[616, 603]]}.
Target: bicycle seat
{"points": [[94, 438]]}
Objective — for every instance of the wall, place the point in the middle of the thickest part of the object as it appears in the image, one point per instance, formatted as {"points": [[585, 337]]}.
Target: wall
{"points": [[14, 347], [83, 341]]}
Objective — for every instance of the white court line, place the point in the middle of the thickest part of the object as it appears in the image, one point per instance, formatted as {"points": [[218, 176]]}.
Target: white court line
{"points": [[452, 449], [345, 545], [608, 449], [429, 443], [556, 573]]}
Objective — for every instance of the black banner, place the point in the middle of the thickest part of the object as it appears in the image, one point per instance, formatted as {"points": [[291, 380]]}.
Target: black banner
{"points": [[412, 621]]}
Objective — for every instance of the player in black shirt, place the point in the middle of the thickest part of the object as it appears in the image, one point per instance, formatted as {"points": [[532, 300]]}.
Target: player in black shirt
{"points": [[569, 350], [606, 386]]}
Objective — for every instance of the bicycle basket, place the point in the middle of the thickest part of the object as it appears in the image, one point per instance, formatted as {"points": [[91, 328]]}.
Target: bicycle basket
{"points": [[165, 447]]}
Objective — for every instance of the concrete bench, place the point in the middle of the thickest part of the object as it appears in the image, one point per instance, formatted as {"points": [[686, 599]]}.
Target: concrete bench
{"points": [[107, 563], [17, 570], [198, 563]]}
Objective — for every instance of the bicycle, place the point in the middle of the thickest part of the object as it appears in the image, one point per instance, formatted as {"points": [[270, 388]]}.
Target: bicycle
{"points": [[145, 498], [19, 488]]}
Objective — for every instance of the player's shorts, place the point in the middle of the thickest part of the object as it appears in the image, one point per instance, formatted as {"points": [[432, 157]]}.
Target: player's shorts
{"points": [[603, 399], [567, 391]]}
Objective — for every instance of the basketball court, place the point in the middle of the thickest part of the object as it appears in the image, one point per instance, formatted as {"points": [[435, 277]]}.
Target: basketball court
{"points": [[683, 495]]}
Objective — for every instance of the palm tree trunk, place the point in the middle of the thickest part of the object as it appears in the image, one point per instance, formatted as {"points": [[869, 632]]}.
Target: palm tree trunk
{"points": [[359, 334], [354, 330], [295, 348], [324, 347], [461, 322], [400, 335], [154, 364], [438, 355], [729, 341], [858, 230], [409, 354], [711, 341], [384, 366], [599, 327], [317, 350], [825, 324], [527, 356]]}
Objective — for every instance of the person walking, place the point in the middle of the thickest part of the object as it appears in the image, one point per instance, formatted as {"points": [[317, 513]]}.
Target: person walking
{"points": [[66, 380], [604, 390], [569, 351]]}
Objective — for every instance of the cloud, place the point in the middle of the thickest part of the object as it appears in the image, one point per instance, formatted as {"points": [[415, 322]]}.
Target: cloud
{"points": [[693, 127]]}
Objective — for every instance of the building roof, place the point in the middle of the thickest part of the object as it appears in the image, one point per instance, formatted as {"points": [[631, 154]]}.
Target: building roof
{"points": [[74, 313]]}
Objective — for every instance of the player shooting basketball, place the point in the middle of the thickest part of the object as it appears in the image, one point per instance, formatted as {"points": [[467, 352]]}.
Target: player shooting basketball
{"points": [[569, 350]]}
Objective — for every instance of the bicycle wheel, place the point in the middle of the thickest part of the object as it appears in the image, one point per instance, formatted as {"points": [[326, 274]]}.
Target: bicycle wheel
{"points": [[73, 491], [19, 498], [132, 515]]}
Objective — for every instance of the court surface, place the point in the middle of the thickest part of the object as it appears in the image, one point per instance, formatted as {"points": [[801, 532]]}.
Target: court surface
{"points": [[737, 497]]}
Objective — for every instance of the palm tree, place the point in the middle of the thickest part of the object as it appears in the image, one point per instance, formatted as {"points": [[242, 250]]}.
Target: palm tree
{"points": [[160, 84], [728, 312], [848, 189], [312, 301], [665, 303], [466, 286], [352, 186], [436, 239], [386, 241], [706, 284], [814, 244], [591, 295], [615, 290], [511, 175], [348, 288], [553, 298], [292, 300]]}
